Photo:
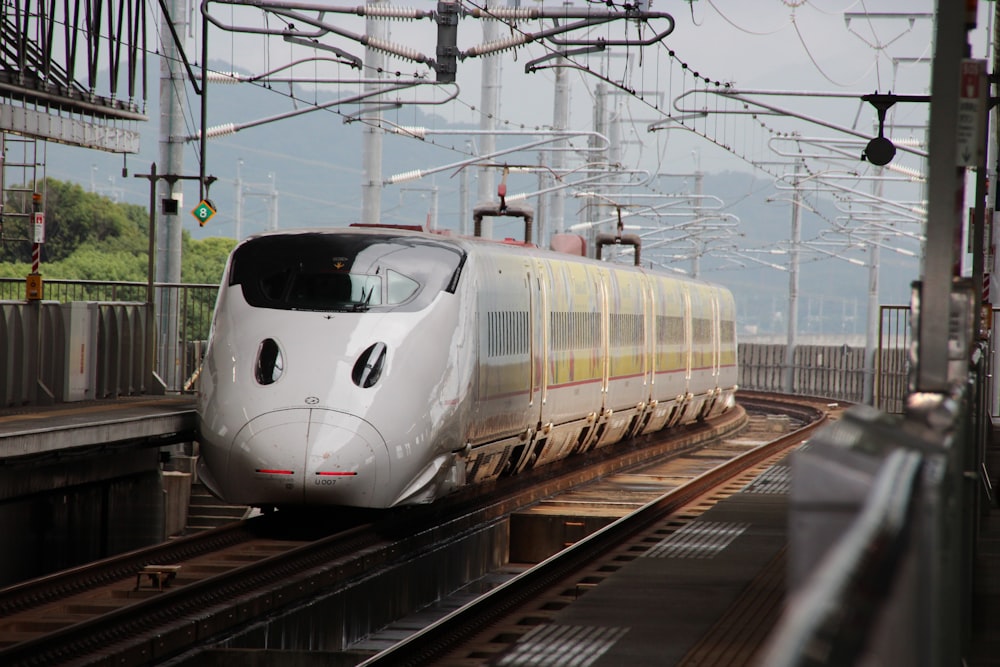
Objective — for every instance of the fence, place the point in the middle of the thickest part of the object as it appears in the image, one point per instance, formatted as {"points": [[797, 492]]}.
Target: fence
{"points": [[35, 338], [840, 372], [832, 371]]}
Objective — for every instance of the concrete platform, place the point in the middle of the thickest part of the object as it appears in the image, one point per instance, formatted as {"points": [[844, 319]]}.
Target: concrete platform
{"points": [[40, 430]]}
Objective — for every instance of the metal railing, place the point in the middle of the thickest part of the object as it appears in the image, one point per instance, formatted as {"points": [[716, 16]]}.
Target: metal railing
{"points": [[892, 362], [34, 338], [839, 372]]}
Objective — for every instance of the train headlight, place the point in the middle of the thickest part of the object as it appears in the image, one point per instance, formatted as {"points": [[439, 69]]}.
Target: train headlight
{"points": [[270, 363], [368, 368]]}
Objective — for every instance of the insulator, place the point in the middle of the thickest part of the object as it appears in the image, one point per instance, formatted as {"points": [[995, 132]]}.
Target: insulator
{"points": [[220, 130], [391, 12], [508, 13], [396, 49], [404, 177], [915, 174], [224, 77], [499, 45]]}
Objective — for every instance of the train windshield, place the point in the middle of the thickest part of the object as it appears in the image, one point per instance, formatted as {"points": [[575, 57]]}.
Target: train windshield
{"points": [[344, 271]]}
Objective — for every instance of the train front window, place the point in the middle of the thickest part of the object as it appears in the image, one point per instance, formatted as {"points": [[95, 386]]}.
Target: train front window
{"points": [[350, 272]]}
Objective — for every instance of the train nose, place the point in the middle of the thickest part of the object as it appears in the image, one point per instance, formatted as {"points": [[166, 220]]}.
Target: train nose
{"points": [[311, 456]]}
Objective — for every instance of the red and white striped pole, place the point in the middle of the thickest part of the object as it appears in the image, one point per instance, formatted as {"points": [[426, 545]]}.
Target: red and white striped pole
{"points": [[33, 284]]}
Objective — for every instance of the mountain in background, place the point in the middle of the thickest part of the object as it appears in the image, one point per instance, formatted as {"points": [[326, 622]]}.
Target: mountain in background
{"points": [[307, 170]]}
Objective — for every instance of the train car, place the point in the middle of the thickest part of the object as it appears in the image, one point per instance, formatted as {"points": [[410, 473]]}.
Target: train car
{"points": [[373, 368]]}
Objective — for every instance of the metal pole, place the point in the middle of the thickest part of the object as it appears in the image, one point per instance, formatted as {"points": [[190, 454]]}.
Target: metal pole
{"points": [[272, 211], [946, 193], [994, 153], [490, 105], [173, 94], [150, 282], [793, 283], [591, 211], [464, 210], [560, 122], [238, 205], [203, 141], [433, 214], [371, 138], [699, 246], [871, 330]]}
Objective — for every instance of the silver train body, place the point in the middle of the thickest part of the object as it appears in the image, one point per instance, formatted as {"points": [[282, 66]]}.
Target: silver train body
{"points": [[373, 367]]}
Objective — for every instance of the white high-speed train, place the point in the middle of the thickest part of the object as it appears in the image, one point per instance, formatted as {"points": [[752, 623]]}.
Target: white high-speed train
{"points": [[375, 367]]}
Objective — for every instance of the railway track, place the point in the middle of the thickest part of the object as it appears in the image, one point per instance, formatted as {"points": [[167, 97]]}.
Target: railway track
{"points": [[233, 575], [471, 635]]}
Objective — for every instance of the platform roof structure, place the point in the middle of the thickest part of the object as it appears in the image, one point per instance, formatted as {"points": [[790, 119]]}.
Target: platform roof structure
{"points": [[75, 76]]}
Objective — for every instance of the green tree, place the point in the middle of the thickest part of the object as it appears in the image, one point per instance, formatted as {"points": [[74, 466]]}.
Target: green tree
{"points": [[73, 218], [90, 237], [92, 262], [204, 261]]}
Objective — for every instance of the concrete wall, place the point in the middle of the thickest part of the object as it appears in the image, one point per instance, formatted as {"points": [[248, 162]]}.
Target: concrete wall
{"points": [[56, 514]]}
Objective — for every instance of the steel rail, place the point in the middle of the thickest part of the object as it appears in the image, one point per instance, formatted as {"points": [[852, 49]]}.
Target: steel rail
{"points": [[26, 595]]}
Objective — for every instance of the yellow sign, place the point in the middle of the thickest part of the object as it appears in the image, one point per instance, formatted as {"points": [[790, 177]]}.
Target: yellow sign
{"points": [[33, 289]]}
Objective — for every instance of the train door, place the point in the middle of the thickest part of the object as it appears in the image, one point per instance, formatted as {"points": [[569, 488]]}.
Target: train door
{"points": [[539, 337], [606, 294], [716, 337], [688, 337], [649, 312], [604, 285], [537, 436], [520, 453]]}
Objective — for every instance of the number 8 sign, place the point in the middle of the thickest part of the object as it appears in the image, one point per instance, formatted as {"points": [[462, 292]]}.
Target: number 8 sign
{"points": [[203, 212]]}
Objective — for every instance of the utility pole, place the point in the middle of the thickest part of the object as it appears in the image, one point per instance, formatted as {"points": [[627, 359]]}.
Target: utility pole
{"points": [[238, 204], [173, 96], [490, 104], [946, 191], [464, 210], [371, 138], [560, 122], [793, 282], [272, 210], [591, 211], [699, 187], [871, 330]]}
